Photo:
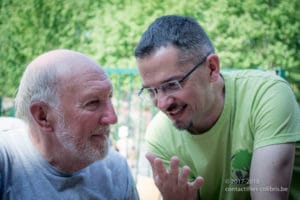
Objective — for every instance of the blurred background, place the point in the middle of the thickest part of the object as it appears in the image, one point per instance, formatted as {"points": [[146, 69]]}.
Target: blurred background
{"points": [[257, 34]]}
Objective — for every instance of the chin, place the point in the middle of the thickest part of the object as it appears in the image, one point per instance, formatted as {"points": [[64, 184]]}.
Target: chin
{"points": [[102, 151], [182, 126], [95, 153], [179, 126]]}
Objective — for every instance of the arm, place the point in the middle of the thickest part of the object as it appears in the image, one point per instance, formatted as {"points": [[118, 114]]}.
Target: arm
{"points": [[271, 171], [173, 184]]}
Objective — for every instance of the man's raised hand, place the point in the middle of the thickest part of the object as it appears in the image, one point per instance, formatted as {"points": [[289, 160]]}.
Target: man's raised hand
{"points": [[174, 184]]}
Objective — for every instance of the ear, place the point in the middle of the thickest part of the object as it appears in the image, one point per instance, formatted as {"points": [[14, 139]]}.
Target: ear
{"points": [[214, 66], [40, 114]]}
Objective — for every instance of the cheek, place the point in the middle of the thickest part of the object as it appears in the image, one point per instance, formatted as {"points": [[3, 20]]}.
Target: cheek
{"points": [[89, 123], [80, 123], [194, 97]]}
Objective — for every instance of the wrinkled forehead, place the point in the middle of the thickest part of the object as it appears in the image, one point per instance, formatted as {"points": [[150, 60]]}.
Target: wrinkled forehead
{"points": [[65, 64], [84, 77]]}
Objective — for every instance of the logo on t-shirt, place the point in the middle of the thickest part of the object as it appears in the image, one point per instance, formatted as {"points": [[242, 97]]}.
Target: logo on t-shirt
{"points": [[240, 166]]}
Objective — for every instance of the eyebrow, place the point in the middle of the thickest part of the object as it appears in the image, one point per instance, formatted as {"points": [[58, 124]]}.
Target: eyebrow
{"points": [[165, 81]]}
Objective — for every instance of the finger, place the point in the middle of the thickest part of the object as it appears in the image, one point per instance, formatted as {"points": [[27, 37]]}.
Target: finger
{"points": [[160, 168], [150, 157], [174, 163], [184, 175], [160, 172], [197, 183]]}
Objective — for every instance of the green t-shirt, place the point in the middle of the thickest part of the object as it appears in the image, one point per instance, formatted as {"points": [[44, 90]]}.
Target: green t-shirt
{"points": [[259, 110]]}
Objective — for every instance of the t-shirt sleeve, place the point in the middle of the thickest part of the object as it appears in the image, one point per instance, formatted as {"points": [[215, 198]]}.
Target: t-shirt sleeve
{"points": [[276, 115]]}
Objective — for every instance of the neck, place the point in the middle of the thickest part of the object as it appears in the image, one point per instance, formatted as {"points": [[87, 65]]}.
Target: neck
{"points": [[66, 165]]}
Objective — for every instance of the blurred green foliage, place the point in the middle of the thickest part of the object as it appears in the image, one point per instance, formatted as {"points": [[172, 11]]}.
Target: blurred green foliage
{"points": [[247, 34]]}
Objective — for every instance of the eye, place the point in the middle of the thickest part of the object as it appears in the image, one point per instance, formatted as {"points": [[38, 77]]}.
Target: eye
{"points": [[151, 92], [110, 95], [92, 105], [170, 86], [94, 102]]}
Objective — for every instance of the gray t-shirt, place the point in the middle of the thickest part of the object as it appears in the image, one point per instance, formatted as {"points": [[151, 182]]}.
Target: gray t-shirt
{"points": [[25, 174]]}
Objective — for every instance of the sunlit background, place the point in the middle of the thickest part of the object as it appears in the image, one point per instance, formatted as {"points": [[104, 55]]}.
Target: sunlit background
{"points": [[247, 34]]}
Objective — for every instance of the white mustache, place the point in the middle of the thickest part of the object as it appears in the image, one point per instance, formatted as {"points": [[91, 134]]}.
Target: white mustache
{"points": [[103, 130]]}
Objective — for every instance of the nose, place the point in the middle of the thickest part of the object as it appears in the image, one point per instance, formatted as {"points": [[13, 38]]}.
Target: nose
{"points": [[163, 101], [109, 116]]}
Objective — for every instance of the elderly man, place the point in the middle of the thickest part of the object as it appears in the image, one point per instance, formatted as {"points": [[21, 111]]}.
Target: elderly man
{"points": [[65, 99]]}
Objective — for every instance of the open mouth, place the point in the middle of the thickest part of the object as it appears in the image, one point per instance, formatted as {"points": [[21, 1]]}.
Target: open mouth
{"points": [[176, 111]]}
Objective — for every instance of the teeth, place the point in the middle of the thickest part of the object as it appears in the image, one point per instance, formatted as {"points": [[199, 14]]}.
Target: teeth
{"points": [[176, 111]]}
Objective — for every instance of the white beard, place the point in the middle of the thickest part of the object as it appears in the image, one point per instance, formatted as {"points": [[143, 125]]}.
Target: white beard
{"points": [[83, 151]]}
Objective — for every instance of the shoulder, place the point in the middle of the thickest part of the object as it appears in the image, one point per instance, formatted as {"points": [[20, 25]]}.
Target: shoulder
{"points": [[13, 138], [258, 87], [251, 77], [13, 131], [10, 123], [13, 144]]}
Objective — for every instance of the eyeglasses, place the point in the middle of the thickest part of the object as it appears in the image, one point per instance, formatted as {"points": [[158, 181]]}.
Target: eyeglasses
{"points": [[170, 87]]}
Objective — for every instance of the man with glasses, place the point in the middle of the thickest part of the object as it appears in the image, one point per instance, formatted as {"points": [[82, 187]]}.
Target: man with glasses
{"points": [[232, 135]]}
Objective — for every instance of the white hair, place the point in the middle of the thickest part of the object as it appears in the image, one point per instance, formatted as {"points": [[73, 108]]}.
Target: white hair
{"points": [[41, 80], [37, 84]]}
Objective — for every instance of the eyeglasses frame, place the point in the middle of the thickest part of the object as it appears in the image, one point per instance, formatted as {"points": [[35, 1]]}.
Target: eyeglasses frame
{"points": [[179, 81]]}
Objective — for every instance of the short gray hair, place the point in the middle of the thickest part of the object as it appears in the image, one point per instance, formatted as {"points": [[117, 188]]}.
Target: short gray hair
{"points": [[182, 32], [37, 84]]}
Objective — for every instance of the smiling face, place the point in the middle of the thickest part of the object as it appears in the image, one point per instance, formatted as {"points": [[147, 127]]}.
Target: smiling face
{"points": [[197, 105], [85, 113]]}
